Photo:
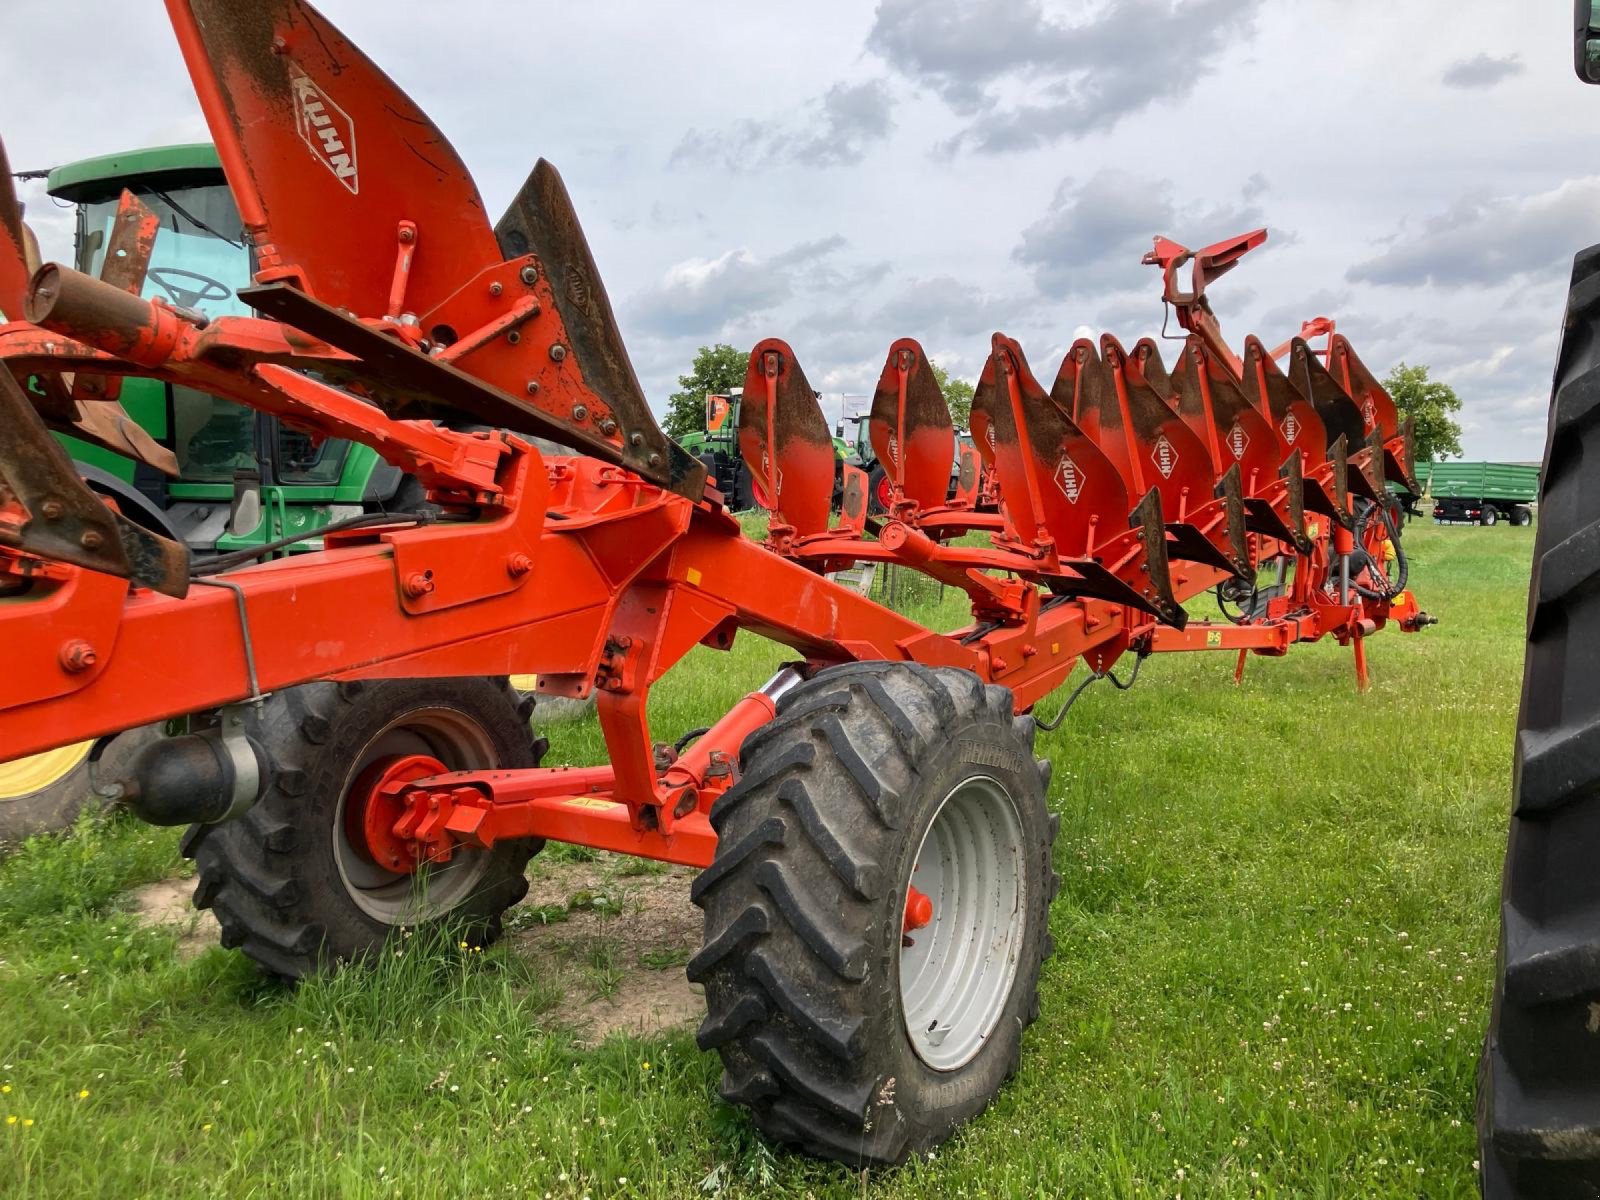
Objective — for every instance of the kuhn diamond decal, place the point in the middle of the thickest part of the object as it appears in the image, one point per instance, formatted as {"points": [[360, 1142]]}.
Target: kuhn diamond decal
{"points": [[1291, 429], [1369, 412], [326, 128], [1069, 479], [1238, 441], [1165, 455]]}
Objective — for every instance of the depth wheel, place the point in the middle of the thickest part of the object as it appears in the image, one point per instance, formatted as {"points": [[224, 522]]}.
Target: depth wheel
{"points": [[305, 879], [1539, 1079], [877, 913]]}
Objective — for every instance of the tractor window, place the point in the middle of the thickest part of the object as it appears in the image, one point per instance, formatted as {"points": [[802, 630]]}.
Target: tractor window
{"points": [[200, 259], [304, 460], [212, 438]]}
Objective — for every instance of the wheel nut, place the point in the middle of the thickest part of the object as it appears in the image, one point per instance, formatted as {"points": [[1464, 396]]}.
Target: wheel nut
{"points": [[77, 655], [419, 584]]}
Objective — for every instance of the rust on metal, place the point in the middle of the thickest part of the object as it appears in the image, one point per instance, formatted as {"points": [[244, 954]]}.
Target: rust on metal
{"points": [[542, 221], [784, 440], [910, 425]]}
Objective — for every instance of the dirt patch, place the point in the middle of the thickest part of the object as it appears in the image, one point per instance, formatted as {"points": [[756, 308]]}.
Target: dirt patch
{"points": [[167, 903], [617, 939], [615, 932]]}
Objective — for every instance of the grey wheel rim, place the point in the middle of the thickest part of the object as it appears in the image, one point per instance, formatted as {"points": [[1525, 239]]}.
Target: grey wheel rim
{"points": [[959, 971], [461, 744]]}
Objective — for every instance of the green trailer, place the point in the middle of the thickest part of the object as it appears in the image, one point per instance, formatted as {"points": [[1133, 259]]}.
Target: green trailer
{"points": [[1482, 493]]}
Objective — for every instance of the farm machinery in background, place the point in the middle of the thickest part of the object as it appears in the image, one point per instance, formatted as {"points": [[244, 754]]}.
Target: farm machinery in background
{"points": [[197, 468], [872, 827]]}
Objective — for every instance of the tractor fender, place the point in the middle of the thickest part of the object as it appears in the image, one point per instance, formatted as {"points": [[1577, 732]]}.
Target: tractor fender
{"points": [[133, 503]]}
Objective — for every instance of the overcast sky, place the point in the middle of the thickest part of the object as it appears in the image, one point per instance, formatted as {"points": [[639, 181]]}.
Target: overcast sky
{"points": [[842, 174]]}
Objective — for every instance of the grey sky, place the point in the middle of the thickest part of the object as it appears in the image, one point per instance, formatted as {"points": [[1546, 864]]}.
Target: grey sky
{"points": [[842, 174]]}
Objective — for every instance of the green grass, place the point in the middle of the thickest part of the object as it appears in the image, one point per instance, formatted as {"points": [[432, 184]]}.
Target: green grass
{"points": [[1275, 946]]}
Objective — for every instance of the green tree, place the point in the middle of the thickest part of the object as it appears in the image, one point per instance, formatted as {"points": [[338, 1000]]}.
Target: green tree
{"points": [[716, 371], [1429, 403], [957, 393]]}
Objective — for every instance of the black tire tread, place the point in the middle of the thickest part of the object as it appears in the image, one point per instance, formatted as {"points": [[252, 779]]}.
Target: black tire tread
{"points": [[250, 871], [780, 950], [1539, 1078]]}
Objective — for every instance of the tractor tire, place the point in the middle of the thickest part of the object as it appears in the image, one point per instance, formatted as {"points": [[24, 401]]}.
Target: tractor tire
{"points": [[1521, 515], [877, 490], [1539, 1080], [840, 1029], [44, 793], [286, 881], [1489, 516]]}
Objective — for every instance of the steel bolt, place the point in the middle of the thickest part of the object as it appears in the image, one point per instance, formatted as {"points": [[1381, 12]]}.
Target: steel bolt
{"points": [[496, 288], [580, 412], [518, 565], [408, 235], [419, 584], [529, 276], [92, 539], [513, 337], [636, 439], [533, 387], [279, 46], [77, 655], [608, 427], [655, 460], [558, 352], [52, 510]]}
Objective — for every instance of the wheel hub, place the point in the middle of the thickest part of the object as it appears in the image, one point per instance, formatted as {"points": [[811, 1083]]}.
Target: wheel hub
{"points": [[375, 807]]}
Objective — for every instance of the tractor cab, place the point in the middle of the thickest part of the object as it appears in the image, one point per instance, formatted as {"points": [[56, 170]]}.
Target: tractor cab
{"points": [[244, 478]]}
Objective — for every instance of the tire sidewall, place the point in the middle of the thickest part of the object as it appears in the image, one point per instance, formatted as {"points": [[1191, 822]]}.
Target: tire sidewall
{"points": [[329, 768], [938, 1100]]}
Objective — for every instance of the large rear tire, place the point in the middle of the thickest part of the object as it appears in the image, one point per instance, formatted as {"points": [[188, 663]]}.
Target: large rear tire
{"points": [[44, 793], [843, 1027], [1539, 1081], [288, 881]]}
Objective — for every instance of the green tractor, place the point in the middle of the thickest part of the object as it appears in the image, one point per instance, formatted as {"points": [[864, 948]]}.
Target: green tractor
{"points": [[717, 445], [217, 476], [242, 479]]}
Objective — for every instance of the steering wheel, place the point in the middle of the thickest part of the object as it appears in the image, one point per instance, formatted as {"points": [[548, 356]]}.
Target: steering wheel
{"points": [[178, 284]]}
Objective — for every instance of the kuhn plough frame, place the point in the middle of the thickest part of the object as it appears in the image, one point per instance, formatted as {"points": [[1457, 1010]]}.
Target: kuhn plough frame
{"points": [[389, 304]]}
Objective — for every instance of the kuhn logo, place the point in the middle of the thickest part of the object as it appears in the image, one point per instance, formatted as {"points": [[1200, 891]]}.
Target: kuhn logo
{"points": [[1369, 412], [326, 128], [1238, 440], [1291, 429], [1069, 479], [894, 450], [1165, 455]]}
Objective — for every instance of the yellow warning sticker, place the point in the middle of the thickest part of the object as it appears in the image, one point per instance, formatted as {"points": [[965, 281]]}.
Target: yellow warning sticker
{"points": [[693, 576], [1213, 637], [592, 802]]}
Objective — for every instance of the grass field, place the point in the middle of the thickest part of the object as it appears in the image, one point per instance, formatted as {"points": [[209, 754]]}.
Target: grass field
{"points": [[1276, 940]]}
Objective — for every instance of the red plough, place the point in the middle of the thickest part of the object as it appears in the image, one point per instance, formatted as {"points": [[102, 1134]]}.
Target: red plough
{"points": [[872, 824]]}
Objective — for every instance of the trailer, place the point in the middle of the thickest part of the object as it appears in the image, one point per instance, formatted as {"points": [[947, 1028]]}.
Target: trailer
{"points": [[1482, 493]]}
